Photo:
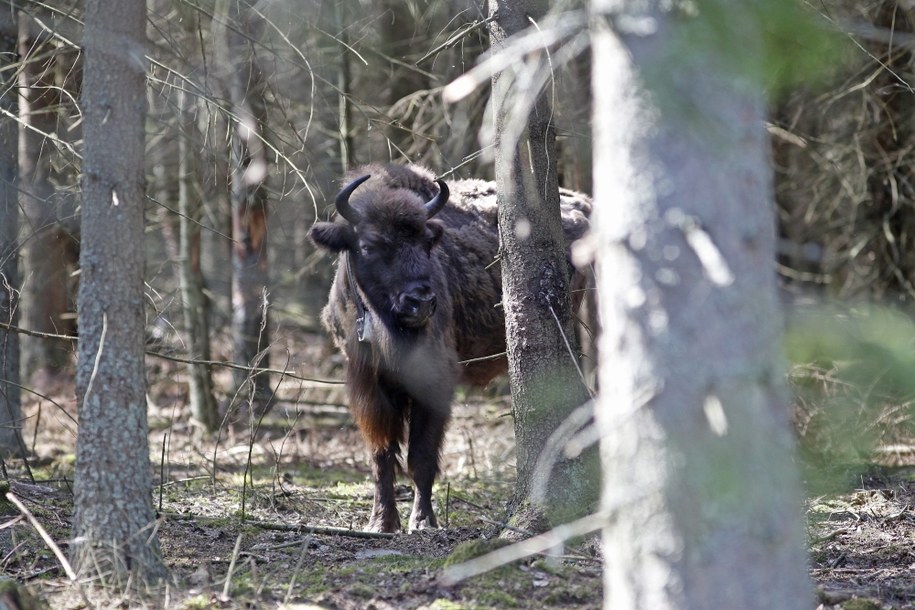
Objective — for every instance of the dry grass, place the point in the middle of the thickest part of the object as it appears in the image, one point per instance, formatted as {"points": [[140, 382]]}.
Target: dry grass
{"points": [[843, 163]]}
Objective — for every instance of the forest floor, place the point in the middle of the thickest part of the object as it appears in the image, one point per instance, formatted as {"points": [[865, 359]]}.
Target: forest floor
{"points": [[236, 512]]}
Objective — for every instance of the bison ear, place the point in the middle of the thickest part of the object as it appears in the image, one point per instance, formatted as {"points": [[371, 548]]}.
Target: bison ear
{"points": [[332, 236], [434, 231]]}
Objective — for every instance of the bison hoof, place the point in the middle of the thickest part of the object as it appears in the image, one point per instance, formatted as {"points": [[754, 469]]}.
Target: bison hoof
{"points": [[422, 523], [386, 526]]}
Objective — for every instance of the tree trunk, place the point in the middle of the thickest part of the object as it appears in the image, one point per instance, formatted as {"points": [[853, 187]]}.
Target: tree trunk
{"points": [[702, 498], [348, 153], [216, 250], [113, 521], [398, 40], [250, 279], [193, 300], [10, 412], [51, 251], [545, 383]]}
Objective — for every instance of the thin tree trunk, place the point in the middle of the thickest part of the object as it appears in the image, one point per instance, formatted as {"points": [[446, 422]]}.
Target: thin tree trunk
{"points": [[250, 168], [193, 300], [216, 250], [700, 488], [545, 384], [344, 86], [10, 411], [51, 252], [398, 39], [113, 521]]}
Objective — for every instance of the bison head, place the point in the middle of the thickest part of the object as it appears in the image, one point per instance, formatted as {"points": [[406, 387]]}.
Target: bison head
{"points": [[388, 235]]}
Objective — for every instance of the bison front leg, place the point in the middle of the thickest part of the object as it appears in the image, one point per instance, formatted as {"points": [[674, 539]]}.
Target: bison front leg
{"points": [[427, 430], [385, 517], [380, 418]]}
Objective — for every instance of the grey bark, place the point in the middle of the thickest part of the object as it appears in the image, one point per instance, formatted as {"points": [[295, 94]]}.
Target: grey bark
{"points": [[703, 503], [545, 384], [10, 398], [113, 521], [193, 299], [250, 279]]}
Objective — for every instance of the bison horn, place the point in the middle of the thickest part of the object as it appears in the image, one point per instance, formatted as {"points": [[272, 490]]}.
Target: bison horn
{"points": [[435, 205], [344, 209]]}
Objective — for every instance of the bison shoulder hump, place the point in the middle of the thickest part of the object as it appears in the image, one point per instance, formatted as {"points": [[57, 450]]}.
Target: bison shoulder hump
{"points": [[475, 196], [575, 209]]}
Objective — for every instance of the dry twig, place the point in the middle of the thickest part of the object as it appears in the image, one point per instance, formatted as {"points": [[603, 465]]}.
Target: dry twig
{"points": [[68, 569]]}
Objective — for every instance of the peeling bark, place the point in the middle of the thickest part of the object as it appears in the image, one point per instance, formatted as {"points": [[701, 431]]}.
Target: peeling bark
{"points": [[249, 170]]}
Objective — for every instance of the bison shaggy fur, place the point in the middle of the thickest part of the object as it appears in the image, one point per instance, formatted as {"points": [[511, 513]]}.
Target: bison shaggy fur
{"points": [[425, 281]]}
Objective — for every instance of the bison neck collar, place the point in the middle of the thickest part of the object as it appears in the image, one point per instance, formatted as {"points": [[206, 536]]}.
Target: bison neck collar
{"points": [[363, 316]]}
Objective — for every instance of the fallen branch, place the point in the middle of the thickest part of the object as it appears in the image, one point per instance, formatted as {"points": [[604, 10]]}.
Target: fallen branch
{"points": [[525, 548], [228, 584], [290, 527], [317, 529]]}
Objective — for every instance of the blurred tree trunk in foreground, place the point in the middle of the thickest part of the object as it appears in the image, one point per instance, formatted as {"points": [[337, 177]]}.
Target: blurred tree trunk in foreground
{"points": [[545, 384], [702, 500], [113, 520], [10, 396], [249, 170]]}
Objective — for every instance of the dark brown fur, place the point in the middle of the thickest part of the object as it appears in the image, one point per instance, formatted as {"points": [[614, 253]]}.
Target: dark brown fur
{"points": [[407, 374]]}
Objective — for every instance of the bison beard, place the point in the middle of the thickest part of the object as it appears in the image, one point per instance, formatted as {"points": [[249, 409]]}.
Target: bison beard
{"points": [[415, 294]]}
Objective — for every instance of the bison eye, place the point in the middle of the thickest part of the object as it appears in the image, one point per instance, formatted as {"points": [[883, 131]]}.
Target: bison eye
{"points": [[371, 248]]}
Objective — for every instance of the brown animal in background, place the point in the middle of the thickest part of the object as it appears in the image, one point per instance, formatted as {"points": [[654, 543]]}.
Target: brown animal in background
{"points": [[417, 291]]}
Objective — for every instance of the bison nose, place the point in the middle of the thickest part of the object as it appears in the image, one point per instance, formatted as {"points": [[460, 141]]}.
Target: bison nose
{"points": [[419, 299], [417, 304]]}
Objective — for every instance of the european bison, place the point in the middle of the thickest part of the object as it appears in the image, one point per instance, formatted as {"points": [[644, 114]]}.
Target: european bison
{"points": [[414, 306]]}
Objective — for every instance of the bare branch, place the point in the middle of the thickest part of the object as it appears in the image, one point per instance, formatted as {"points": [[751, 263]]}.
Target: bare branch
{"points": [[230, 365]]}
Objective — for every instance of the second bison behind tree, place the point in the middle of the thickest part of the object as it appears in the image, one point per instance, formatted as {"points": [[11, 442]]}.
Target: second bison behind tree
{"points": [[415, 308]]}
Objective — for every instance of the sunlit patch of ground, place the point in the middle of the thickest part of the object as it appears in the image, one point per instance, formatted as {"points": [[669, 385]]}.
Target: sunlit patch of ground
{"points": [[306, 466]]}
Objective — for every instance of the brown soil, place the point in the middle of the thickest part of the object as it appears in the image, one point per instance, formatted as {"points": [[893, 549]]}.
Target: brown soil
{"points": [[308, 468], [861, 543]]}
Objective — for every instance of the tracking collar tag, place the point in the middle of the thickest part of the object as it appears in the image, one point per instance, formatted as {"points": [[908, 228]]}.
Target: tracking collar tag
{"points": [[364, 328], [363, 319]]}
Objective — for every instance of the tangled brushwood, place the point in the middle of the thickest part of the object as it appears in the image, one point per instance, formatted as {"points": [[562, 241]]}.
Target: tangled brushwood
{"points": [[844, 159]]}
